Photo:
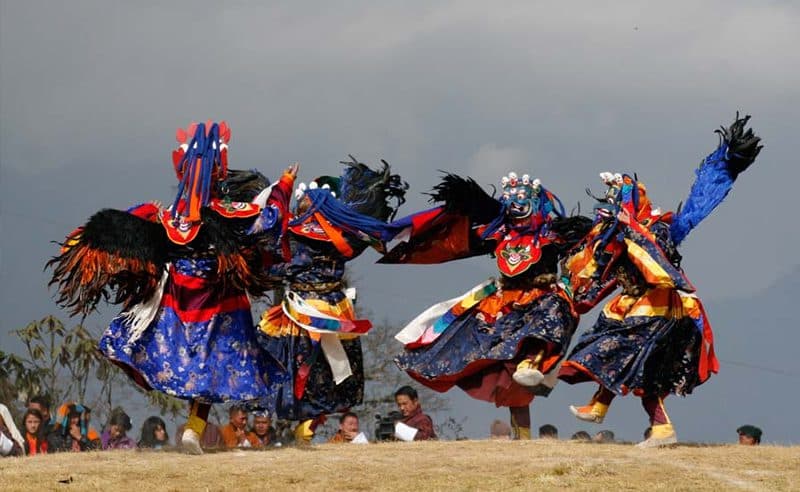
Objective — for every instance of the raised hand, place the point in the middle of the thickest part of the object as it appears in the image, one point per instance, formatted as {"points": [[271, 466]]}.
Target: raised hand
{"points": [[292, 169]]}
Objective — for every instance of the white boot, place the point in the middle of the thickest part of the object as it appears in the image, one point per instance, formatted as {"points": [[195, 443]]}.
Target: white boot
{"points": [[528, 373], [528, 377], [190, 442], [661, 435]]}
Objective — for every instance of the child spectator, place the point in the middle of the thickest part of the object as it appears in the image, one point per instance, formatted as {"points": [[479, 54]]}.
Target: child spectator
{"points": [[42, 404], [11, 441], [154, 434], [407, 401], [116, 436], [35, 442]]}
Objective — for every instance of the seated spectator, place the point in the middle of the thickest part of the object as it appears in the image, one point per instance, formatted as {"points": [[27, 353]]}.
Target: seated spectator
{"points": [[116, 436], [348, 428], [154, 434], [407, 401], [11, 441], [604, 437], [262, 429], [72, 431], [500, 431], [548, 431], [211, 438], [42, 404], [749, 435], [235, 435], [35, 442], [581, 436]]}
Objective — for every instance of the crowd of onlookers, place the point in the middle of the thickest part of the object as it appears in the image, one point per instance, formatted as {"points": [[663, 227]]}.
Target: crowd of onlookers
{"points": [[500, 430], [68, 429], [748, 434]]}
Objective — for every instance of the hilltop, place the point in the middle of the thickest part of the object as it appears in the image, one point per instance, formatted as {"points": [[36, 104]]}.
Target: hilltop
{"points": [[461, 465]]}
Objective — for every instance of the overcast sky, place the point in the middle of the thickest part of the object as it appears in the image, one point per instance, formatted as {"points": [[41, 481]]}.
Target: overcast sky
{"points": [[91, 93]]}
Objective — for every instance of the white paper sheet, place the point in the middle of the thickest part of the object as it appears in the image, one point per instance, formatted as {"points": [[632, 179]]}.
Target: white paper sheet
{"points": [[360, 439], [404, 432]]}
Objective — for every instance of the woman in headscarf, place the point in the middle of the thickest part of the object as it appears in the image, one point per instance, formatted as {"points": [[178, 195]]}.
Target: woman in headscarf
{"points": [[72, 431]]}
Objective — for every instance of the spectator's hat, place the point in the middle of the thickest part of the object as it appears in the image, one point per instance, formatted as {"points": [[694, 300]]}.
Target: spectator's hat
{"points": [[750, 431]]}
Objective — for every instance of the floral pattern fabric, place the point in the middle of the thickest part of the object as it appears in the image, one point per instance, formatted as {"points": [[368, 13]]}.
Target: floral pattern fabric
{"points": [[482, 347], [641, 354], [201, 345]]}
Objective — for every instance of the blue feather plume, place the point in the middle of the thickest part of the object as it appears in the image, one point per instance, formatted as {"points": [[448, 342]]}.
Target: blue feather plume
{"points": [[715, 177]]}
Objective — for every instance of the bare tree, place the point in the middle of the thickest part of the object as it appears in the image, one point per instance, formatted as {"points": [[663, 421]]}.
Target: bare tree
{"points": [[64, 364]]}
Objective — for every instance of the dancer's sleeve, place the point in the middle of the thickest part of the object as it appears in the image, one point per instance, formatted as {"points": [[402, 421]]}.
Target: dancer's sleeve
{"points": [[737, 150], [116, 256], [654, 255], [450, 231]]}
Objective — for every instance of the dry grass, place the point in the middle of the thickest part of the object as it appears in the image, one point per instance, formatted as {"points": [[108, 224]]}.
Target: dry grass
{"points": [[465, 465]]}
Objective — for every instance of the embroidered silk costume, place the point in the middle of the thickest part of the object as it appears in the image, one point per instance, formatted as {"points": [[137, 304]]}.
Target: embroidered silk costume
{"points": [[183, 275], [314, 332], [499, 340], [654, 337]]}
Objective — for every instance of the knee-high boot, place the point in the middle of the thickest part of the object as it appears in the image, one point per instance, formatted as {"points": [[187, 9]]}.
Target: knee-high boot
{"points": [[198, 417], [662, 433], [521, 422]]}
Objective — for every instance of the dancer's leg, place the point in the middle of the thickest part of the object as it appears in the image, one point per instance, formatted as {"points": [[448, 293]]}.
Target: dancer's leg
{"points": [[663, 433], [198, 417], [521, 422]]}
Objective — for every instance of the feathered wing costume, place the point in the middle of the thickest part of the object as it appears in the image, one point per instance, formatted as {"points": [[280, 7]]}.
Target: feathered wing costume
{"points": [[182, 276], [654, 337], [499, 340], [314, 332]]}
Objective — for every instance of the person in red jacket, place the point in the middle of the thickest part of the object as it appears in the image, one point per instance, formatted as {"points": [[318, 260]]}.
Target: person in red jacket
{"points": [[407, 401]]}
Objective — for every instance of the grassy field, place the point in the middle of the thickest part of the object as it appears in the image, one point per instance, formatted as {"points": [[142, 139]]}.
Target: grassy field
{"points": [[464, 465]]}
